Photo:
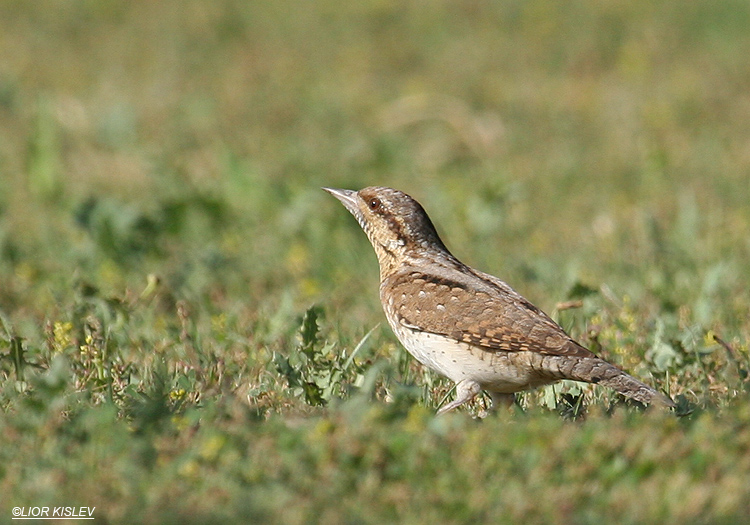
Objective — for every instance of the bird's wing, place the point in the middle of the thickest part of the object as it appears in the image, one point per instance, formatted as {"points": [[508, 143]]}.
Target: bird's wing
{"points": [[477, 309]]}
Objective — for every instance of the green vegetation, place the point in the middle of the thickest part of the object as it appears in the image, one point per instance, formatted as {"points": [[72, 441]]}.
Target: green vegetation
{"points": [[190, 329]]}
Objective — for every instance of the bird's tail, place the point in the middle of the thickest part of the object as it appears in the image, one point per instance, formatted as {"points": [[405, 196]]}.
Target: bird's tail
{"points": [[629, 386], [600, 372]]}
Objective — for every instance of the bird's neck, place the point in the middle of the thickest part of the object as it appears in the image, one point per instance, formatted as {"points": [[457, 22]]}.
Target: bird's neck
{"points": [[395, 261]]}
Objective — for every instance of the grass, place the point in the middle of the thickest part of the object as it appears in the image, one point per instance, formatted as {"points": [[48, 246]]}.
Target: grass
{"points": [[190, 329]]}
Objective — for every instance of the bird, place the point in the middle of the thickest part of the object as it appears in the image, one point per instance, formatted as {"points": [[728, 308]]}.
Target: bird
{"points": [[464, 324]]}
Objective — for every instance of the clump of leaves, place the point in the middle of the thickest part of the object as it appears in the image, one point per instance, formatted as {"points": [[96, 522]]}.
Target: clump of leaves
{"points": [[153, 407], [16, 357], [314, 370]]}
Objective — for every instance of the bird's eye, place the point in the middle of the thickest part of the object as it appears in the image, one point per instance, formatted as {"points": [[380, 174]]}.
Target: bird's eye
{"points": [[374, 203]]}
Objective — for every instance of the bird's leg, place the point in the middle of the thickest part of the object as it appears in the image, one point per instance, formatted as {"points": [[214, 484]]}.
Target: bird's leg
{"points": [[466, 389]]}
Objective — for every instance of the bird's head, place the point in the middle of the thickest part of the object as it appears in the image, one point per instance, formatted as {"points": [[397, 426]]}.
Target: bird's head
{"points": [[395, 223]]}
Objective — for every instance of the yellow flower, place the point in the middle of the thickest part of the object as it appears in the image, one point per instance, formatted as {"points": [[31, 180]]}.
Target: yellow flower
{"points": [[177, 394], [61, 334]]}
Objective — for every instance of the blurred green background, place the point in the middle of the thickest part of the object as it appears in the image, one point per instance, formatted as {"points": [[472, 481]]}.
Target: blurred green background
{"points": [[168, 261]]}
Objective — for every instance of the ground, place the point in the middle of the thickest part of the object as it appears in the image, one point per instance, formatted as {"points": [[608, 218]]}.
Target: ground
{"points": [[190, 328]]}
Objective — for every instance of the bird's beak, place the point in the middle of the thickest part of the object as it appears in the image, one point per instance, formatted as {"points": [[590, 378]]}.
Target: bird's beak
{"points": [[348, 198]]}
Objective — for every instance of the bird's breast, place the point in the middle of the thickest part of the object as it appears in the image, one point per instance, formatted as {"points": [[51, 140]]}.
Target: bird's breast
{"points": [[503, 372]]}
